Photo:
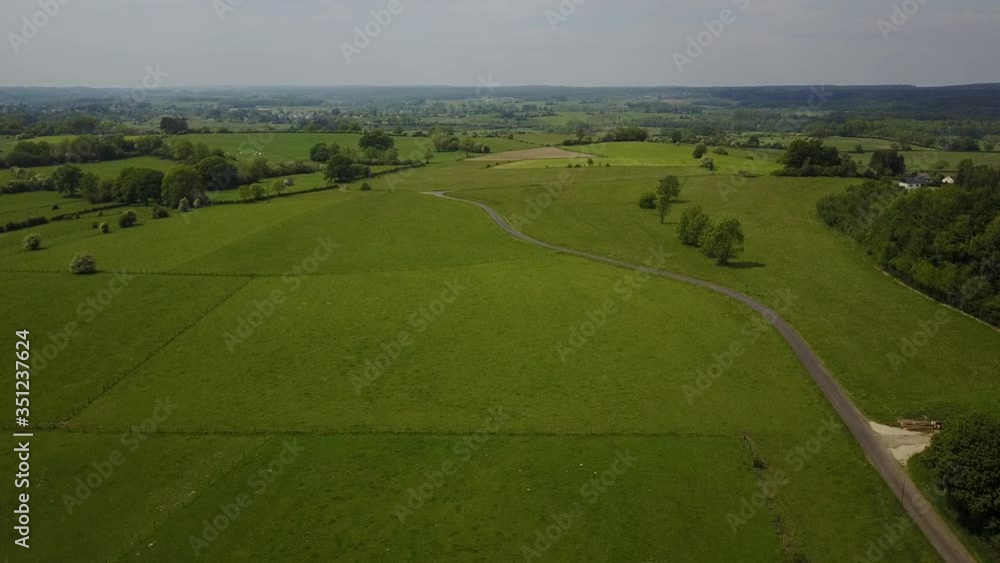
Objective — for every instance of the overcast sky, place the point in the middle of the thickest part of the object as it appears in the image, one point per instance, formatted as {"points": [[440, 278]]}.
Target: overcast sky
{"points": [[516, 42]]}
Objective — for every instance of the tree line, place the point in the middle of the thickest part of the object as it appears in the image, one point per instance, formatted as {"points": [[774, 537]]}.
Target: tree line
{"points": [[81, 149], [943, 241]]}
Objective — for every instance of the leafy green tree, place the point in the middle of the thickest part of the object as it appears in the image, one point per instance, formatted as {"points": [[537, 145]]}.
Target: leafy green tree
{"points": [[668, 190], [182, 150], [342, 168], [693, 224], [90, 188], [709, 164], [699, 150], [320, 152], [173, 125], [182, 182], [801, 152], [723, 241], [138, 185], [67, 178], [647, 201], [252, 192], [623, 134], [964, 459], [887, 163], [258, 168], [810, 157], [217, 173], [445, 143], [377, 139]]}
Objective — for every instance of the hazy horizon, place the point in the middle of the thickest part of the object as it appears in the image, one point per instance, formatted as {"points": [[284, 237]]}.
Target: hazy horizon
{"points": [[575, 43]]}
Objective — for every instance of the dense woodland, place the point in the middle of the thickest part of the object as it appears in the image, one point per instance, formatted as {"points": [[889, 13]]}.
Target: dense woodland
{"points": [[944, 241]]}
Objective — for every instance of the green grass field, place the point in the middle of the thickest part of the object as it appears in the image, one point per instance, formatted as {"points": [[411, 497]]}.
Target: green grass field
{"points": [[353, 272], [295, 146], [16, 207], [680, 157], [105, 170], [854, 316]]}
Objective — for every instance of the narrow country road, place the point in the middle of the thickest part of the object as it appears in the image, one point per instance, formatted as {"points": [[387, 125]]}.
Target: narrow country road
{"points": [[927, 519]]}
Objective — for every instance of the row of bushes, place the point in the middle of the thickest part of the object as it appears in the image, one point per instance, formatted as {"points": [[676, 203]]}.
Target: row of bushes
{"points": [[11, 226], [84, 148]]}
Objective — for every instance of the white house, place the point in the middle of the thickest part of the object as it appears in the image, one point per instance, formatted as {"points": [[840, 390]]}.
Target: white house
{"points": [[947, 180], [915, 182]]}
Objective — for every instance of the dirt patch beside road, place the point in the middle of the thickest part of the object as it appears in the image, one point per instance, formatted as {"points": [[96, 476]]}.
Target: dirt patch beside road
{"points": [[903, 444]]}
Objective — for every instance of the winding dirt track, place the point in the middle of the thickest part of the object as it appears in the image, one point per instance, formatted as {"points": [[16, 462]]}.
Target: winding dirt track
{"points": [[927, 519]]}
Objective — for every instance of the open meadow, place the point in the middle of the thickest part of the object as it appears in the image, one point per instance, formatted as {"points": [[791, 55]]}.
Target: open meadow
{"points": [[457, 282], [364, 374], [859, 320]]}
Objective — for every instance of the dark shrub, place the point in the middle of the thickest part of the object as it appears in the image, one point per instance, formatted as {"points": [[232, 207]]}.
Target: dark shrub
{"points": [[648, 201], [127, 219]]}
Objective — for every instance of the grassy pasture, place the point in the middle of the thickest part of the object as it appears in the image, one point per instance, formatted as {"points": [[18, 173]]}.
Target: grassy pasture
{"points": [[336, 503], [428, 386], [295, 146], [854, 316], [158, 475], [104, 170], [303, 182], [179, 239], [662, 154], [95, 330], [495, 346], [7, 143], [16, 207]]}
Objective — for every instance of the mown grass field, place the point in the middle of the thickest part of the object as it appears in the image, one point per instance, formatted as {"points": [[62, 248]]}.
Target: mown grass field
{"points": [[680, 157], [16, 207], [355, 270], [858, 319]]}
